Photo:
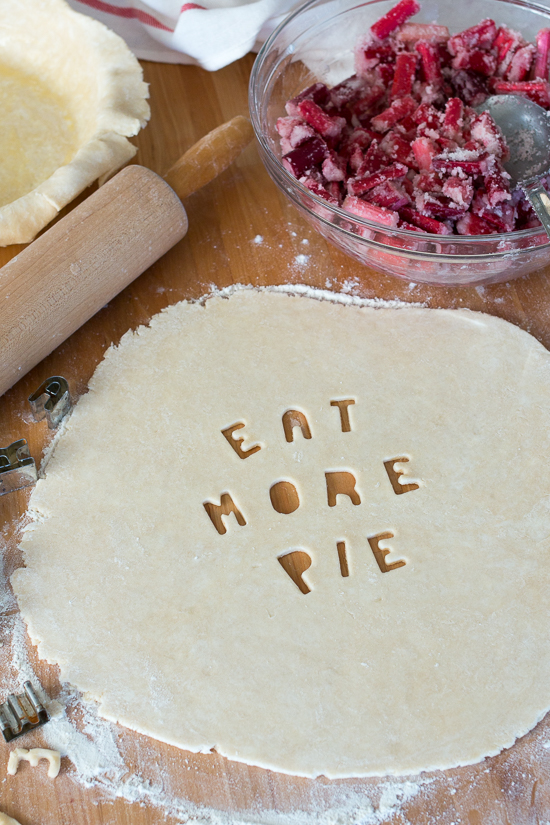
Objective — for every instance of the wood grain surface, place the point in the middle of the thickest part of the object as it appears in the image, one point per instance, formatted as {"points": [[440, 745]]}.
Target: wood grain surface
{"points": [[222, 247]]}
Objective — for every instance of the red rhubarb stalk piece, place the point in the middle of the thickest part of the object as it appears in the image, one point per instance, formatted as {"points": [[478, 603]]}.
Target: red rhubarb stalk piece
{"points": [[390, 195], [461, 191], [394, 18], [505, 44], [480, 36], [484, 130], [409, 227], [396, 148], [404, 76], [438, 206], [370, 212], [431, 66], [424, 222], [318, 93], [424, 151], [472, 224], [476, 60], [521, 62], [358, 186], [412, 32], [536, 90], [399, 109], [497, 188], [453, 120], [374, 160], [306, 156], [540, 68], [328, 127], [319, 190]]}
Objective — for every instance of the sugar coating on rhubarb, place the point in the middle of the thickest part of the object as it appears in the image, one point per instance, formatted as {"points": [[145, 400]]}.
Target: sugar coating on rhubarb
{"points": [[399, 143]]}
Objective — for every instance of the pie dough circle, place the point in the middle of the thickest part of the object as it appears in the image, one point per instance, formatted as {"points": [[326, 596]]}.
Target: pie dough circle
{"points": [[202, 640]]}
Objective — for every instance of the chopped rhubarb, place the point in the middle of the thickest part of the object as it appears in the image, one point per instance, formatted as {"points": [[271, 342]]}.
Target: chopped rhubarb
{"points": [[409, 227], [484, 130], [390, 195], [430, 33], [540, 68], [396, 148], [506, 44], [399, 109], [428, 182], [374, 160], [404, 76], [327, 126], [461, 191], [521, 62], [334, 167], [348, 91], [293, 132], [306, 156], [478, 61], [394, 18], [453, 120], [358, 186], [497, 187], [318, 93], [370, 212], [472, 224], [463, 160], [438, 206], [424, 151], [319, 190], [424, 222], [431, 66], [400, 143], [480, 36], [536, 90], [470, 87]]}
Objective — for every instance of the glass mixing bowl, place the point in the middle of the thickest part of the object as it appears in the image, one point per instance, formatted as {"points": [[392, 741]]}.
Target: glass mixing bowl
{"points": [[316, 44]]}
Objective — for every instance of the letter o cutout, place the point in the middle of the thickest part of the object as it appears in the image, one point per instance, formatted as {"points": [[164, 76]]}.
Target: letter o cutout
{"points": [[284, 497]]}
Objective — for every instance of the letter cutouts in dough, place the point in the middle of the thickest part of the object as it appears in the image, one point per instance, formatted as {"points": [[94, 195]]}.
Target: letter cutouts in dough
{"points": [[34, 756]]}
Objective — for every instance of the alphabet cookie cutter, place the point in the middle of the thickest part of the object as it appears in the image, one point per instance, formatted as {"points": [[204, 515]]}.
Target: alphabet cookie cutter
{"points": [[51, 400], [17, 468], [21, 713]]}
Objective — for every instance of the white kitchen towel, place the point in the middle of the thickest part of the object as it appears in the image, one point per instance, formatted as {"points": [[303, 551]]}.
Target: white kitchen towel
{"points": [[212, 33]]}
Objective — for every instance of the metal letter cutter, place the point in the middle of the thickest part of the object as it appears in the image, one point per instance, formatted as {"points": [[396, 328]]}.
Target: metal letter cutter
{"points": [[21, 713], [51, 400], [17, 468]]}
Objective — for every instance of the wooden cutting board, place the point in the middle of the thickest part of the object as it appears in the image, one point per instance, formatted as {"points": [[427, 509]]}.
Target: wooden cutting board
{"points": [[241, 231]]}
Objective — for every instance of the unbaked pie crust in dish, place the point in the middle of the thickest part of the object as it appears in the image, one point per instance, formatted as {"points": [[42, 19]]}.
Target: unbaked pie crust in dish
{"points": [[71, 93]]}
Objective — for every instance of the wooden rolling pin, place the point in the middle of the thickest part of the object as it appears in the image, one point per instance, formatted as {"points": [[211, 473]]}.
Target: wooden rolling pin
{"points": [[67, 274]]}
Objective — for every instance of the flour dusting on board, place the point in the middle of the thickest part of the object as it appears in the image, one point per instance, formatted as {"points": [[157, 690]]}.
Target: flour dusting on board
{"points": [[347, 296]]}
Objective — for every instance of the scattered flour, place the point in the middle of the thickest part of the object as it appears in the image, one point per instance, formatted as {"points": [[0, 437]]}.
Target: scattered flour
{"points": [[301, 260], [345, 297], [258, 239]]}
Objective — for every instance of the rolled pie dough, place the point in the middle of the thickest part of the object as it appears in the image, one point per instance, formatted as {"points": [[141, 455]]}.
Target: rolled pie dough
{"points": [[431, 655]]}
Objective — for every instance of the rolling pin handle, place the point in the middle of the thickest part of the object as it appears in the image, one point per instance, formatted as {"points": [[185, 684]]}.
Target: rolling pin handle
{"points": [[209, 157]]}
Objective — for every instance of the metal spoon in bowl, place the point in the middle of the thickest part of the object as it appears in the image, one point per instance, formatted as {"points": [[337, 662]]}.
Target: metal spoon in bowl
{"points": [[526, 127]]}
